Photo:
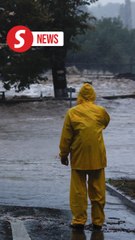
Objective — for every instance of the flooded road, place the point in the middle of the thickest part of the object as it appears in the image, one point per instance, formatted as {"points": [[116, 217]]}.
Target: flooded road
{"points": [[30, 171]]}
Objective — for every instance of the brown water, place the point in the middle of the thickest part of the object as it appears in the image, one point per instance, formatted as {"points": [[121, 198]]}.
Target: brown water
{"points": [[30, 171]]}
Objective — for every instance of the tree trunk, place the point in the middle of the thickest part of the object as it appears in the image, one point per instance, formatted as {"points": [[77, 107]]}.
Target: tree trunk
{"points": [[59, 73]]}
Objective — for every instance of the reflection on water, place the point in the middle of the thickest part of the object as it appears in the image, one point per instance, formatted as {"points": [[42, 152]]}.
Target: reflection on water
{"points": [[97, 235], [80, 235]]}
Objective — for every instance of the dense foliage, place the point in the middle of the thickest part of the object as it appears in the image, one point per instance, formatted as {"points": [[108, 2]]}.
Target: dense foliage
{"points": [[20, 70], [109, 47]]}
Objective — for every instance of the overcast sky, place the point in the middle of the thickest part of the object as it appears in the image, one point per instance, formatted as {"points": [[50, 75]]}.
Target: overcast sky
{"points": [[103, 2]]}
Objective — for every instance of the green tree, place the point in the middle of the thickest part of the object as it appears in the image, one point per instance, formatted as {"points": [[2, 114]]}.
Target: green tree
{"points": [[69, 16], [22, 69], [108, 47]]}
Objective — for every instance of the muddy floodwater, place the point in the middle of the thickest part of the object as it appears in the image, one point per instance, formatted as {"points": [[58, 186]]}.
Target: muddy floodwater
{"points": [[30, 170]]}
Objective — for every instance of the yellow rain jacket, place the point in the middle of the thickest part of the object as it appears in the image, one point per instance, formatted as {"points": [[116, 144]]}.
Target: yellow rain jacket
{"points": [[82, 132]]}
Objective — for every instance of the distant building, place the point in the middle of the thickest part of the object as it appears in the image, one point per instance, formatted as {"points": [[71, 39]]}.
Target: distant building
{"points": [[125, 11], [125, 14]]}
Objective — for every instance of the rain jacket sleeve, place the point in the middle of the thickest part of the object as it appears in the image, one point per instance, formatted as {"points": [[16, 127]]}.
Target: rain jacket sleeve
{"points": [[105, 119], [66, 137]]}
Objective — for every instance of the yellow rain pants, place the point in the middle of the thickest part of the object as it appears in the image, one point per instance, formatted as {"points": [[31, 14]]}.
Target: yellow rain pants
{"points": [[79, 199]]}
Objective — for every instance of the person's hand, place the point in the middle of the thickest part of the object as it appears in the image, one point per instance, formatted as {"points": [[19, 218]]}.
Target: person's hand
{"points": [[64, 161]]}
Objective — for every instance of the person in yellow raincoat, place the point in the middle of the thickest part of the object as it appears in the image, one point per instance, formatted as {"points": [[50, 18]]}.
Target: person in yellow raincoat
{"points": [[82, 138]]}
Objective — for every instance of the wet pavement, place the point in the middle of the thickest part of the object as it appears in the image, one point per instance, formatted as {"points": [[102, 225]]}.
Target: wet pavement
{"points": [[27, 223]]}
